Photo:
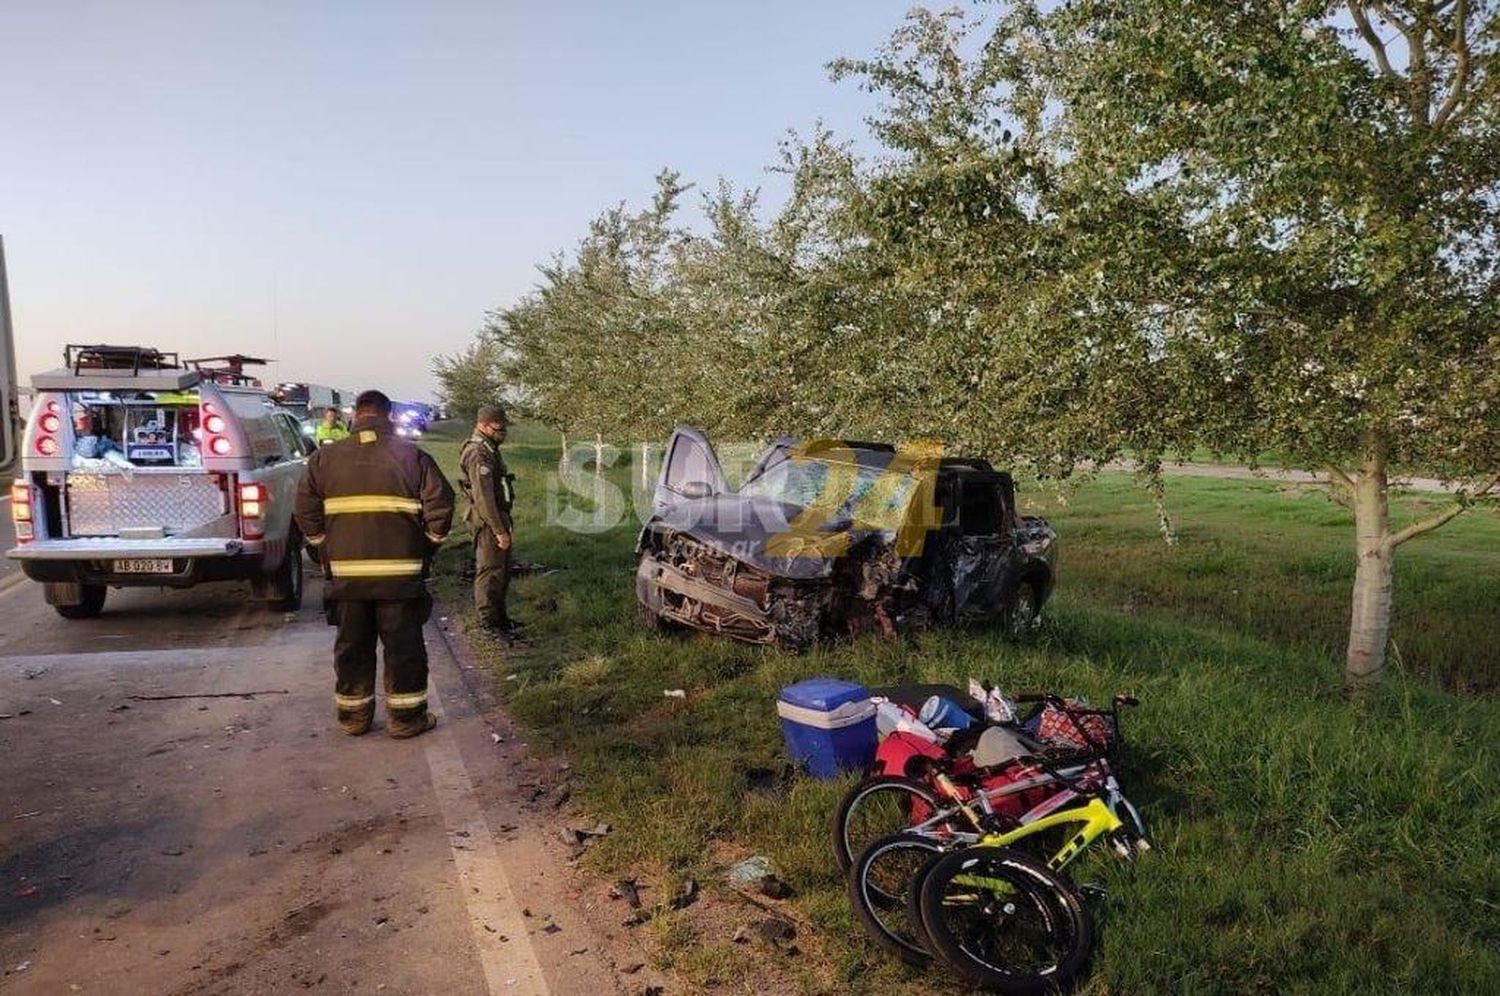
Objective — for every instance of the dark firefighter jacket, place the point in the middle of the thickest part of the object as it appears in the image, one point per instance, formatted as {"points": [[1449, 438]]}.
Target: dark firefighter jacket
{"points": [[376, 507], [487, 485]]}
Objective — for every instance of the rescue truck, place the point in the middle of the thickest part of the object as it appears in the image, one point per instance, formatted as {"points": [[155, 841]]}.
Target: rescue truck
{"points": [[139, 470]]}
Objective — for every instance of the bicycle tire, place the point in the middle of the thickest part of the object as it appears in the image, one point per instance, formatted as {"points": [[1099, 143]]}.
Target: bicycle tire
{"points": [[1032, 907], [884, 912], [847, 841]]}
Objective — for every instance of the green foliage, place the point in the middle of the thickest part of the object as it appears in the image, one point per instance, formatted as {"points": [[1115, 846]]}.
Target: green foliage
{"points": [[1104, 227], [470, 379]]}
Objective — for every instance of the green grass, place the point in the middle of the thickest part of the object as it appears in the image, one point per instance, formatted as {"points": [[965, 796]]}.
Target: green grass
{"points": [[1301, 845]]}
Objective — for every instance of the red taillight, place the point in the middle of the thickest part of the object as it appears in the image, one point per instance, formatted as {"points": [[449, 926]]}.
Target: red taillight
{"points": [[253, 501], [215, 428], [48, 425], [20, 511]]}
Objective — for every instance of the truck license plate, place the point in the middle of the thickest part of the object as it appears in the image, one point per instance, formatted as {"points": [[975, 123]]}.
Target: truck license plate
{"points": [[153, 566]]}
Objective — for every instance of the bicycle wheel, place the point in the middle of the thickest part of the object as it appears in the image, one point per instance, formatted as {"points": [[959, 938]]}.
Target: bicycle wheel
{"points": [[876, 808], [1005, 921], [881, 882]]}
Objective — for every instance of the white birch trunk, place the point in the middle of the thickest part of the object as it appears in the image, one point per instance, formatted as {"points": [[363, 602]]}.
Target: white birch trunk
{"points": [[1370, 615]]}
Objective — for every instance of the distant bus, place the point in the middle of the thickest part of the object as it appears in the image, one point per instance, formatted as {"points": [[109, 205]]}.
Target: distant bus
{"points": [[307, 400]]}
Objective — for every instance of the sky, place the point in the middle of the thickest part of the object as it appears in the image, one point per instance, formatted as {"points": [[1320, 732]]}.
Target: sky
{"points": [[348, 187]]}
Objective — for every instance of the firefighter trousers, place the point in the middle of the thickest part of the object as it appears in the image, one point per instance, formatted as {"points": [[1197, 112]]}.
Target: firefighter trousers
{"points": [[491, 578], [397, 626]]}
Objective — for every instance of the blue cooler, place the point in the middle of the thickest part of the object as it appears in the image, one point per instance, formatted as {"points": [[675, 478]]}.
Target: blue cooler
{"points": [[829, 726]]}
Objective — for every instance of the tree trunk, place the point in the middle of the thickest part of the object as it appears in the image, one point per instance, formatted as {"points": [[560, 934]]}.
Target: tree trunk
{"points": [[1370, 618], [566, 461], [598, 455]]}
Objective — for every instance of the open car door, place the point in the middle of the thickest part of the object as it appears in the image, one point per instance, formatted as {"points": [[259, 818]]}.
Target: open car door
{"points": [[690, 469]]}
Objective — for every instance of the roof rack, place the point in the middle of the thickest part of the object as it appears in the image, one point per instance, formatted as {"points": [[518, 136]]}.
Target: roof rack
{"points": [[133, 358], [228, 369]]}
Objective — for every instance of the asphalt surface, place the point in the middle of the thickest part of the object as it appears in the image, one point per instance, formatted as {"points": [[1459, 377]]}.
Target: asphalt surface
{"points": [[181, 816], [7, 535]]}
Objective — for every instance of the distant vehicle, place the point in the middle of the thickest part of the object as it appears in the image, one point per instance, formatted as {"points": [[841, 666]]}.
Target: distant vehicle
{"points": [[411, 418], [140, 470], [827, 538], [306, 400]]}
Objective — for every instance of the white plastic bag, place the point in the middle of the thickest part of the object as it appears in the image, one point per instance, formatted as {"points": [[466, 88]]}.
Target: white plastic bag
{"points": [[997, 708]]}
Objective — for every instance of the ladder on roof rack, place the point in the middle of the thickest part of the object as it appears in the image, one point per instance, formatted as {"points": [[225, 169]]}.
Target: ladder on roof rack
{"points": [[132, 358], [228, 369]]}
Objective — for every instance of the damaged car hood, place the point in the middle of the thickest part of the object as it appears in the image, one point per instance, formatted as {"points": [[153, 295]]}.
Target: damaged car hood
{"points": [[760, 532]]}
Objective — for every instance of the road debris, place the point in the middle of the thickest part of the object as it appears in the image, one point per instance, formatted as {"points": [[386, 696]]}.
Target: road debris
{"points": [[206, 695], [626, 889], [674, 693], [687, 894], [751, 870]]}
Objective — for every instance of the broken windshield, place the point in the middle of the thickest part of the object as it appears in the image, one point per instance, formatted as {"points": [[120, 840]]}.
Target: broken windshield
{"points": [[871, 497]]}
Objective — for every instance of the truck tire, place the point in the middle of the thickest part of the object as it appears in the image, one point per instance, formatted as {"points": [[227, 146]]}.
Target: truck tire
{"points": [[282, 591], [89, 605], [1023, 612]]}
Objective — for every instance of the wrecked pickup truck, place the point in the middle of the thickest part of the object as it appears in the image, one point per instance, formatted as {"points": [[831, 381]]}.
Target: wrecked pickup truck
{"points": [[828, 538]]}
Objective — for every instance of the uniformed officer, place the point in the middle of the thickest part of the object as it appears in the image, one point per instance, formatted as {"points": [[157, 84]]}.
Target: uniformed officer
{"points": [[376, 507], [488, 487], [330, 430]]}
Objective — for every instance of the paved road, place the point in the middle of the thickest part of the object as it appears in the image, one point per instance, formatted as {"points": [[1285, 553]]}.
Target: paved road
{"points": [[157, 837], [7, 533]]}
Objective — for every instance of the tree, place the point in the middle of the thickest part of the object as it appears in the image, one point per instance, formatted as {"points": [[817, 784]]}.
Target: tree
{"points": [[1260, 225], [469, 379]]}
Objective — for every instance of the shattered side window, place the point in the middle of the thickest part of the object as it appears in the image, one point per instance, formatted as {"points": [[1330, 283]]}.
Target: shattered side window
{"points": [[979, 509], [688, 463]]}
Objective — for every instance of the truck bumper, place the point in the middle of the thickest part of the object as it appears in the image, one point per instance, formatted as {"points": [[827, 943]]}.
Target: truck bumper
{"points": [[91, 561]]}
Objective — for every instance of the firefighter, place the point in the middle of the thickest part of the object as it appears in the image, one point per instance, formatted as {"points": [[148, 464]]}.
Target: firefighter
{"points": [[489, 490], [376, 508], [330, 430]]}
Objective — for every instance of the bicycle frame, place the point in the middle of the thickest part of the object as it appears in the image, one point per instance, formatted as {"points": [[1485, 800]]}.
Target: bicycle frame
{"points": [[1098, 817], [1094, 818]]}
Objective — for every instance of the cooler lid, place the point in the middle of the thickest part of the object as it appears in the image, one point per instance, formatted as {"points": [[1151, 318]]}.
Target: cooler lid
{"points": [[823, 694]]}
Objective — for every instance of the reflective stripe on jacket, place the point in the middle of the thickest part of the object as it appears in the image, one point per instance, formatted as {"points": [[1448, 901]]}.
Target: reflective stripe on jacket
{"points": [[376, 506]]}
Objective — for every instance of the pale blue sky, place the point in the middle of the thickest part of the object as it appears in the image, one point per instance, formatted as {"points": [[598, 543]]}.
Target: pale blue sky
{"points": [[392, 170]]}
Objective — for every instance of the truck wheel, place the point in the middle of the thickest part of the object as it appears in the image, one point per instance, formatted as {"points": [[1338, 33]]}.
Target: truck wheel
{"points": [[90, 604], [1024, 613], [284, 590]]}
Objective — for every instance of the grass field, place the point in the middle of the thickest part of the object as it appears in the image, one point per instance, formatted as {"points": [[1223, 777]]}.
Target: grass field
{"points": [[1301, 845]]}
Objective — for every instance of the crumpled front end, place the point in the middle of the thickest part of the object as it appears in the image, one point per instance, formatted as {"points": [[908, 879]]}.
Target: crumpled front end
{"points": [[686, 582]]}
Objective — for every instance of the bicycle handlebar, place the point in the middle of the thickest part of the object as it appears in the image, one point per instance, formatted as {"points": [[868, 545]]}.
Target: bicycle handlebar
{"points": [[1027, 698]]}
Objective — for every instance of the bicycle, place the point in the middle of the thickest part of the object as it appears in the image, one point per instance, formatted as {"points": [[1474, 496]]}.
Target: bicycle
{"points": [[877, 807], [883, 884]]}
